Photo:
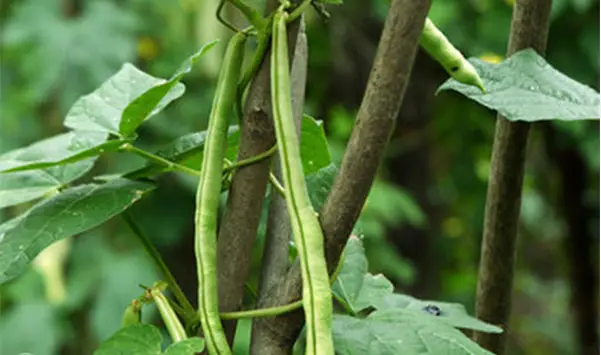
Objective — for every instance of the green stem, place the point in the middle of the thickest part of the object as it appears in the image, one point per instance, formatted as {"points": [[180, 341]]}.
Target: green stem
{"points": [[278, 310], [188, 309], [343, 303], [263, 312], [251, 160], [276, 184], [127, 147], [263, 36], [298, 11], [221, 19], [252, 15]]}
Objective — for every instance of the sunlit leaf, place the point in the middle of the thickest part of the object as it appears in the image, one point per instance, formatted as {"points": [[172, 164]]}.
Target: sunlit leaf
{"points": [[101, 111], [154, 99]]}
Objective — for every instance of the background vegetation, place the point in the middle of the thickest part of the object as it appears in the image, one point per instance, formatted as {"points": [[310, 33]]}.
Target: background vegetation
{"points": [[422, 222]]}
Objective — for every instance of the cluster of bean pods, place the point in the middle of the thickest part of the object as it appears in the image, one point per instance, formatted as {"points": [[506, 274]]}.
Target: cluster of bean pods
{"points": [[308, 236]]}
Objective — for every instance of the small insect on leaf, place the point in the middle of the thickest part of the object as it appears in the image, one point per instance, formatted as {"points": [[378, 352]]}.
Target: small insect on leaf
{"points": [[433, 310]]}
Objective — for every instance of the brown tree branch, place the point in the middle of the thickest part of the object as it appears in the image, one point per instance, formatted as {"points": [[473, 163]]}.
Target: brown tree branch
{"points": [[374, 124], [238, 227], [529, 28], [277, 238]]}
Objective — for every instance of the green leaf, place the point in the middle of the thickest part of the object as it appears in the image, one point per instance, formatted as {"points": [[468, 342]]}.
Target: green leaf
{"points": [[361, 290], [145, 339], [156, 98], [23, 178], [73, 211], [453, 314], [187, 150], [526, 88], [186, 347], [101, 111], [24, 186], [399, 331], [61, 149], [358, 288], [319, 185], [313, 145], [136, 339]]}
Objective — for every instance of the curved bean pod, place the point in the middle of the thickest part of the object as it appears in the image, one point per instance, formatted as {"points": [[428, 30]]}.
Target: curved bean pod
{"points": [[207, 196], [172, 323]]}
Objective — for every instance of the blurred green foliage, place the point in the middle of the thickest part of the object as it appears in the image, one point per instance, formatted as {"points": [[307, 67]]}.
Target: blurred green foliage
{"points": [[53, 52]]}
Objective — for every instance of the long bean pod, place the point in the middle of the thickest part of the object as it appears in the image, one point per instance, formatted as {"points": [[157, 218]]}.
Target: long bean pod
{"points": [[207, 197], [317, 295]]}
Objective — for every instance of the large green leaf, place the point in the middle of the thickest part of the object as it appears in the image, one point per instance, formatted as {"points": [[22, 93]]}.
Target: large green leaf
{"points": [[526, 88], [73, 211], [453, 314], [313, 145], [358, 288], [145, 339], [61, 149], [157, 97], [101, 111], [23, 186], [399, 331]]}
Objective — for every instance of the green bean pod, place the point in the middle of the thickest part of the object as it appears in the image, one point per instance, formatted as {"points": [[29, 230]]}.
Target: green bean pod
{"points": [[317, 295], [207, 197], [438, 46], [172, 323], [132, 314]]}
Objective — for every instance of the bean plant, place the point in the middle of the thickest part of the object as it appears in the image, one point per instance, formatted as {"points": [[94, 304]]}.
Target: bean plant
{"points": [[345, 309]]}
